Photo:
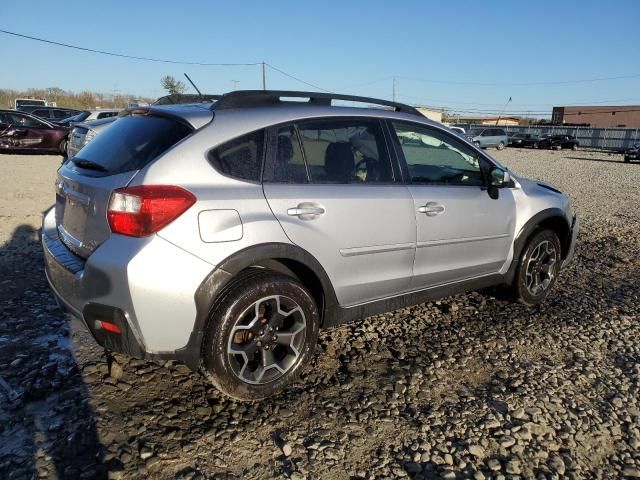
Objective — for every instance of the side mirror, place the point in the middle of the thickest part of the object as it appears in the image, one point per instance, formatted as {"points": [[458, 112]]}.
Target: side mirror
{"points": [[499, 178]]}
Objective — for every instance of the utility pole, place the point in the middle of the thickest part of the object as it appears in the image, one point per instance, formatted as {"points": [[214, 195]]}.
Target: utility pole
{"points": [[503, 109], [264, 77], [394, 88]]}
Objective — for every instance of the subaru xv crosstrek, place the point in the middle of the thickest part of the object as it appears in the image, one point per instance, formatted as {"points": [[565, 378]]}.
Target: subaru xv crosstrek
{"points": [[226, 235]]}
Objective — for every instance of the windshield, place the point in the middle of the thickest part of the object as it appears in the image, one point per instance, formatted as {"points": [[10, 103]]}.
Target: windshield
{"points": [[474, 132], [26, 101], [132, 142]]}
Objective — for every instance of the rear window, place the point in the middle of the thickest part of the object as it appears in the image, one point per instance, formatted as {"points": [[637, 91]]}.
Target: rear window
{"points": [[130, 143]]}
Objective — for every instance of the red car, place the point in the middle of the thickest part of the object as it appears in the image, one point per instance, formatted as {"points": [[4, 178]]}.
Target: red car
{"points": [[21, 132]]}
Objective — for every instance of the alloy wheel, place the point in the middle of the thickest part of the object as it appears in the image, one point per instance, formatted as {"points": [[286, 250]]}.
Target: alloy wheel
{"points": [[267, 340], [541, 268]]}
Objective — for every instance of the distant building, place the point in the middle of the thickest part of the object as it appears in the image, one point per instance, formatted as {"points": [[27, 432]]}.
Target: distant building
{"points": [[431, 113], [621, 116], [488, 120]]}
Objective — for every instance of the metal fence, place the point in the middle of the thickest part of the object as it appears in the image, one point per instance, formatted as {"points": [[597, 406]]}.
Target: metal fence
{"points": [[617, 139]]}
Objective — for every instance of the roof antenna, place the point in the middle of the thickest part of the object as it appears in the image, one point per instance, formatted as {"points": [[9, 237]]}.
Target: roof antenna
{"points": [[194, 86]]}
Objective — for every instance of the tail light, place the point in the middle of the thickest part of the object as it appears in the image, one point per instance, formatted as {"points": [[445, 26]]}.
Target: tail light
{"points": [[143, 210]]}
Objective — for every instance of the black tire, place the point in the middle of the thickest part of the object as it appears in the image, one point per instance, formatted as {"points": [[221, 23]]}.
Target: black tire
{"points": [[63, 147], [477, 144], [231, 373], [523, 289], [627, 160], [574, 147], [536, 145], [500, 146]]}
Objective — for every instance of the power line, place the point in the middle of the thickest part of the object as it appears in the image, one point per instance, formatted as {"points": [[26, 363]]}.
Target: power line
{"points": [[133, 57], [351, 87], [523, 84], [580, 103], [297, 79]]}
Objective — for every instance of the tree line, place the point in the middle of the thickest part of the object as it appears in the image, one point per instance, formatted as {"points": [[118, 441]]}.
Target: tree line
{"points": [[65, 98]]}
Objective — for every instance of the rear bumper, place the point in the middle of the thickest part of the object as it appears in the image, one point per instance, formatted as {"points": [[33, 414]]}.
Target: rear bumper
{"points": [[575, 226], [144, 286]]}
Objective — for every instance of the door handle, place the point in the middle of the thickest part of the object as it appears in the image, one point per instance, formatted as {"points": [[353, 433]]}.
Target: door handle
{"points": [[431, 209], [305, 212]]}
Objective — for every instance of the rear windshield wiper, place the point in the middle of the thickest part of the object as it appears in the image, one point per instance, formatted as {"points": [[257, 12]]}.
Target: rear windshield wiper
{"points": [[88, 164]]}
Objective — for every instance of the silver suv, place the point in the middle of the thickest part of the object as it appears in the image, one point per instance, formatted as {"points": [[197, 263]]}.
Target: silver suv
{"points": [[226, 235]]}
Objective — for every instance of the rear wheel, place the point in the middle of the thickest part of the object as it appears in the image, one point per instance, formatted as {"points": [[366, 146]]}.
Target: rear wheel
{"points": [[62, 146], [538, 268], [627, 159], [260, 335], [500, 146]]}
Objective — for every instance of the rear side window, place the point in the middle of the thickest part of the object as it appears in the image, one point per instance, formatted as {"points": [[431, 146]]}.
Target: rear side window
{"points": [[106, 114], [131, 143], [241, 157]]}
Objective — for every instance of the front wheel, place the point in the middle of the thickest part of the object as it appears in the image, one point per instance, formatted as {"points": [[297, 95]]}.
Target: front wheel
{"points": [[627, 160], [62, 146], [538, 268], [261, 334], [574, 147], [500, 146]]}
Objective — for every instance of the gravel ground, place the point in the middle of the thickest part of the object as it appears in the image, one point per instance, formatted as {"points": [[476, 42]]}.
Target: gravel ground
{"points": [[468, 387]]}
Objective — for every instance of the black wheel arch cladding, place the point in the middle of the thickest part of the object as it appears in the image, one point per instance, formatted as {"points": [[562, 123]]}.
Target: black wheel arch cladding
{"points": [[284, 258], [551, 218]]}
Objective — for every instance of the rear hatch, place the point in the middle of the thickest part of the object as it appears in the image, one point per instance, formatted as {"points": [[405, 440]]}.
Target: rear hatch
{"points": [[85, 183]]}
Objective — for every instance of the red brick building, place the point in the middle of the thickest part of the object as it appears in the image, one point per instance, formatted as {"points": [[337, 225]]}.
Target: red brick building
{"points": [[627, 116]]}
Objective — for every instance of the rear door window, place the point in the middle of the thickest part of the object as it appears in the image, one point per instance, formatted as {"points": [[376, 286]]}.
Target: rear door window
{"points": [[132, 142], [286, 163], [345, 151]]}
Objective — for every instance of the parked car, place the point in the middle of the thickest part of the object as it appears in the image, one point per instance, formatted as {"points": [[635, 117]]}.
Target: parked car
{"points": [[228, 244], [632, 153], [515, 139], [489, 137], [54, 113], [22, 132], [83, 132], [558, 142], [87, 115], [530, 140]]}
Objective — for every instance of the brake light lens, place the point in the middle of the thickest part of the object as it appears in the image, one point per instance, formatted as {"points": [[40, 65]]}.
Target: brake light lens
{"points": [[143, 210], [109, 327]]}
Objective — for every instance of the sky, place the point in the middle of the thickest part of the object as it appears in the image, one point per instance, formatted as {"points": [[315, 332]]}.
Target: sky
{"points": [[467, 56]]}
